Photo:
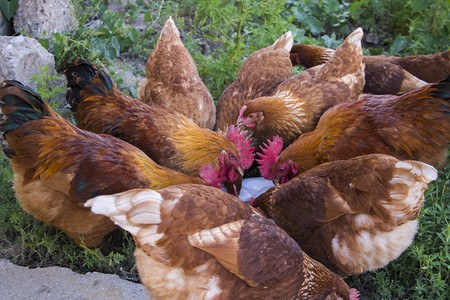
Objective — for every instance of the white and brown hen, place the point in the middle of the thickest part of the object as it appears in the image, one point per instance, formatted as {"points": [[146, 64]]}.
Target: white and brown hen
{"points": [[201, 243], [352, 215]]}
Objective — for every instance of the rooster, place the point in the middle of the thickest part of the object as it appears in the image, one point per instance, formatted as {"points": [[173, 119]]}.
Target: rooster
{"points": [[173, 81], [353, 215], [166, 136], [384, 74], [57, 166], [196, 242], [297, 104], [259, 76], [414, 125]]}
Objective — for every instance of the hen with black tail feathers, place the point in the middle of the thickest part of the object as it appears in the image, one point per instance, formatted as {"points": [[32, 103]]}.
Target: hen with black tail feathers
{"points": [[166, 136], [57, 166]]}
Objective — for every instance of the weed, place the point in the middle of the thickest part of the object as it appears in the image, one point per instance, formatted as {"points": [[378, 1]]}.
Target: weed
{"points": [[9, 7]]}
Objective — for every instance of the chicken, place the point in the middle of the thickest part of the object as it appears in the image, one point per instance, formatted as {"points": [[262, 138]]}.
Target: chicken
{"points": [[57, 166], [172, 80], [414, 125], [166, 136], [259, 76], [298, 102], [384, 74], [196, 242], [353, 215]]}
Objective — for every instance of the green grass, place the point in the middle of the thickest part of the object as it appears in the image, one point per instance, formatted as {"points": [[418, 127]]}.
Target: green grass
{"points": [[220, 35], [29, 242]]}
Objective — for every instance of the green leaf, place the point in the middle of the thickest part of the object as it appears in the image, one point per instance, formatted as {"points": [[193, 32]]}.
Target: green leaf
{"points": [[9, 8], [58, 46], [420, 5], [399, 44], [148, 16], [115, 44], [316, 26], [134, 35], [44, 43], [356, 9]]}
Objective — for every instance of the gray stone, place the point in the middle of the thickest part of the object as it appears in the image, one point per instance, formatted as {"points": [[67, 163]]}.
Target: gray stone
{"points": [[21, 57], [50, 16], [61, 283]]}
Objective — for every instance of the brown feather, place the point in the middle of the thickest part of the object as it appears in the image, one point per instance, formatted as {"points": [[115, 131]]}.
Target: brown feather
{"points": [[57, 165], [384, 74], [211, 244], [297, 104], [352, 215], [412, 126], [259, 76], [173, 81]]}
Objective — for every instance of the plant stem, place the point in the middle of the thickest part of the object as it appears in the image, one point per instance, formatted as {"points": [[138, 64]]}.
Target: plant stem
{"points": [[241, 20]]}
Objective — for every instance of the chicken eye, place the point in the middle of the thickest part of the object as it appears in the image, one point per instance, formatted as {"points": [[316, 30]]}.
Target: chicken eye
{"points": [[232, 156], [282, 169]]}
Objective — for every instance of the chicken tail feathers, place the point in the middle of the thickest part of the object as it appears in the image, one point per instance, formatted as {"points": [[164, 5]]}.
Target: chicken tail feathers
{"points": [[20, 104], [84, 80], [442, 90], [438, 90]]}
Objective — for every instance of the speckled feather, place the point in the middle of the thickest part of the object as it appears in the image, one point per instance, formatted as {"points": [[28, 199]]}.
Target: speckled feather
{"points": [[172, 80]]}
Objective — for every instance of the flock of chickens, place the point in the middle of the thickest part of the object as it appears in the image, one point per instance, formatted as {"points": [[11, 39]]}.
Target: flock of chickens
{"points": [[352, 167]]}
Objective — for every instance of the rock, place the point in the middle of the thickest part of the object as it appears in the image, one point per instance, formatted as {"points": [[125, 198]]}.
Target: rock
{"points": [[120, 6], [20, 58], [61, 283], [130, 72], [51, 16]]}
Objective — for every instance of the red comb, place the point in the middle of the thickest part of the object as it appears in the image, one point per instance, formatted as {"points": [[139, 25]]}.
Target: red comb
{"points": [[269, 157], [242, 145], [211, 176], [354, 294], [241, 114]]}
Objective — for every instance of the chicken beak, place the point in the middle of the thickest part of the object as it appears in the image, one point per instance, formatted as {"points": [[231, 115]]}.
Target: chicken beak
{"points": [[275, 181], [239, 169]]}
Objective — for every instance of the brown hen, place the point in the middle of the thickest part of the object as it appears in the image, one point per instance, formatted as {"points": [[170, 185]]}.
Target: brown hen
{"points": [[56, 166], [353, 215], [259, 76], [298, 102], [166, 136], [172, 80], [384, 74], [195, 242], [414, 125]]}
